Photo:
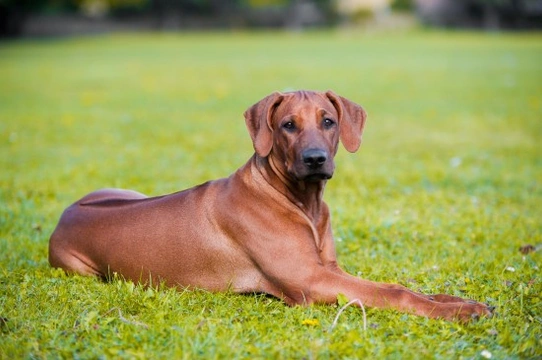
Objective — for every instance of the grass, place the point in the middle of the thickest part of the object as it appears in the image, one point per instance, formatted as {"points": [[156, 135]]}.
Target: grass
{"points": [[444, 191]]}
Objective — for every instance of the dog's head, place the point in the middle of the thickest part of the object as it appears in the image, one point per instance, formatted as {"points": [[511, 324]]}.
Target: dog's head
{"points": [[300, 131]]}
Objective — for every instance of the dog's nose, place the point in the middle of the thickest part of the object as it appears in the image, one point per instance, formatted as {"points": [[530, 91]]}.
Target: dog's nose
{"points": [[314, 158]]}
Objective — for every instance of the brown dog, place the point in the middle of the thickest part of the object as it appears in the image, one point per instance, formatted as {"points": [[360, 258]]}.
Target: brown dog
{"points": [[263, 229]]}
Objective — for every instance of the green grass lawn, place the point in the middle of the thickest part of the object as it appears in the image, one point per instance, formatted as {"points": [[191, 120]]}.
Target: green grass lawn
{"points": [[446, 188]]}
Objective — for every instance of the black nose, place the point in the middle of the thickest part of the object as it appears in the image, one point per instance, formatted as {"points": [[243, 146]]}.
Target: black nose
{"points": [[314, 158]]}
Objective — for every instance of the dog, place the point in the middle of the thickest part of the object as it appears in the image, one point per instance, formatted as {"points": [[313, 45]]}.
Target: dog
{"points": [[263, 229]]}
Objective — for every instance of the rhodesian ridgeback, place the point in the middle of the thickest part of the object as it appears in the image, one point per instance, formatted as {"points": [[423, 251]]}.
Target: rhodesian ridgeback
{"points": [[264, 229]]}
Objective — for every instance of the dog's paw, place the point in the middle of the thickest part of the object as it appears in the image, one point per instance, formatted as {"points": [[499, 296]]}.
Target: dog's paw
{"points": [[462, 310], [472, 310]]}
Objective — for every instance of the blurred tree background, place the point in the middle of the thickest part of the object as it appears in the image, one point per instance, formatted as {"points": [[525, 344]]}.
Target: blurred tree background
{"points": [[55, 17]]}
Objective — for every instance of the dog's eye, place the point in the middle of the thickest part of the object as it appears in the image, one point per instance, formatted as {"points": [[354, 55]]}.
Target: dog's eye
{"points": [[289, 125], [328, 123]]}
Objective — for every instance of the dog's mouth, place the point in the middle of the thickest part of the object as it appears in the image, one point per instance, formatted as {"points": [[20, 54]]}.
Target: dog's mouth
{"points": [[317, 177], [300, 171]]}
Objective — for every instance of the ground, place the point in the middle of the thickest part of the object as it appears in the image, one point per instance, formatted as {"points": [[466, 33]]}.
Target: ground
{"points": [[444, 191]]}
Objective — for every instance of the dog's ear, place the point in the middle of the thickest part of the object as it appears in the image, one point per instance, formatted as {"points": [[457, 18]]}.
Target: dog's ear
{"points": [[258, 121], [351, 120]]}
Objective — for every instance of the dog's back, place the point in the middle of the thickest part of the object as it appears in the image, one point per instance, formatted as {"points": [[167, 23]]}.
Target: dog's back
{"points": [[122, 231]]}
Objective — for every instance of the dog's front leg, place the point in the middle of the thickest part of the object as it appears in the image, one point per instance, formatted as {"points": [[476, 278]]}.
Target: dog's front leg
{"points": [[327, 285]]}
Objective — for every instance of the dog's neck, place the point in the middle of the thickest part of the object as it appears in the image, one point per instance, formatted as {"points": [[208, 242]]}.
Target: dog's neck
{"points": [[307, 195]]}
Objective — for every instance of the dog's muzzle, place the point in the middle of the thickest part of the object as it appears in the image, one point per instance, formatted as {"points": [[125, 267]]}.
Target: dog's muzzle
{"points": [[317, 165], [314, 158]]}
